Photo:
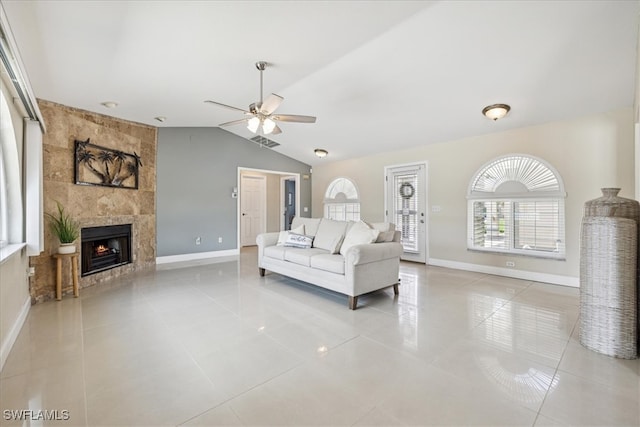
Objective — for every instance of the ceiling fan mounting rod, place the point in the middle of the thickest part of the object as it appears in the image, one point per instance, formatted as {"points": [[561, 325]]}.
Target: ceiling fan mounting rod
{"points": [[261, 65]]}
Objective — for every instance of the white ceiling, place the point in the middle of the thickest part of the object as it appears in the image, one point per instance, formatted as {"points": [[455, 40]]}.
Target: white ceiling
{"points": [[379, 75]]}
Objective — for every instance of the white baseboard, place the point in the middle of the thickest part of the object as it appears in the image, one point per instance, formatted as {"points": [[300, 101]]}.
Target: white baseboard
{"points": [[11, 337], [196, 256], [509, 272]]}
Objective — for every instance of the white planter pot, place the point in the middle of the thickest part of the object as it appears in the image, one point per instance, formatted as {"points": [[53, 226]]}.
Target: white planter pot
{"points": [[67, 248]]}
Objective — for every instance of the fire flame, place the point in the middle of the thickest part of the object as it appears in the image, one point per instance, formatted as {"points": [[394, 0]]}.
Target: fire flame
{"points": [[101, 250]]}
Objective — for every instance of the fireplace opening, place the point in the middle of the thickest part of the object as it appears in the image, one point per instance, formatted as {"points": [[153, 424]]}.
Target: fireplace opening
{"points": [[105, 247]]}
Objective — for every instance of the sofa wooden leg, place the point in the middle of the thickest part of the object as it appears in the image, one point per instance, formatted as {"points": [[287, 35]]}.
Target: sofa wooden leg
{"points": [[353, 302], [261, 271], [395, 289]]}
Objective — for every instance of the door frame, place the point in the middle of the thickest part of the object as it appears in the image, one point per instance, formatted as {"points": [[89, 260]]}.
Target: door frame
{"points": [[425, 205], [245, 170]]}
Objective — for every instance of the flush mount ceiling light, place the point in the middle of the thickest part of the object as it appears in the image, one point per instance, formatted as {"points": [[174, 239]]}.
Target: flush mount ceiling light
{"points": [[496, 111], [109, 104], [161, 119], [320, 152]]}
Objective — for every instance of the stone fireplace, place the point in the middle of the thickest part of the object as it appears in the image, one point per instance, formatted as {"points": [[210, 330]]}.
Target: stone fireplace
{"points": [[96, 206]]}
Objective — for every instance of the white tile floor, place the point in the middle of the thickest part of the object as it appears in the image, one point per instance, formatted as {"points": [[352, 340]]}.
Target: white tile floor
{"points": [[215, 344]]}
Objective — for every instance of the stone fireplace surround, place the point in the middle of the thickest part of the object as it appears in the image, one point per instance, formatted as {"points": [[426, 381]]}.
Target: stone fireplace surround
{"points": [[91, 205]]}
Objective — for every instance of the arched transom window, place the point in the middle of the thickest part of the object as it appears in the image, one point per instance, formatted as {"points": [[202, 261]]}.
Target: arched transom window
{"points": [[341, 200], [516, 205]]}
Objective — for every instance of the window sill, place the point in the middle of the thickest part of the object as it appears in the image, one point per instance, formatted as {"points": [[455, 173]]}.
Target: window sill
{"points": [[9, 250], [518, 254]]}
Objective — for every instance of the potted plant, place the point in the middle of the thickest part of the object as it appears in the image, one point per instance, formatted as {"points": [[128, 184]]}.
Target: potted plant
{"points": [[65, 229]]}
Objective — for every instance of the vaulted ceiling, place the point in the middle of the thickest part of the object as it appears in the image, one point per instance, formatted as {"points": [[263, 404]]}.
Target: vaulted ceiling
{"points": [[379, 75]]}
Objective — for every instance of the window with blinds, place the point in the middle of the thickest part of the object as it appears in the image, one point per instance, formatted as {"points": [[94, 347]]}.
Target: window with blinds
{"points": [[405, 211], [516, 205], [341, 201]]}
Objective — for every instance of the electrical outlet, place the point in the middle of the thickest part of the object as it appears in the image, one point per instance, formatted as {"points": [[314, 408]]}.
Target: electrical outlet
{"points": [[198, 240], [511, 264], [32, 271], [219, 239]]}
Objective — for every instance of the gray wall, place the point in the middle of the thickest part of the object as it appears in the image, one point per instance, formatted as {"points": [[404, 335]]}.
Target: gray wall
{"points": [[197, 169]]}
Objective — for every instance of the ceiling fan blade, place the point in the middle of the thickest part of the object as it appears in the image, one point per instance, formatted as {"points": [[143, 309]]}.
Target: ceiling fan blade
{"points": [[270, 104], [234, 122], [294, 118], [276, 130], [228, 106]]}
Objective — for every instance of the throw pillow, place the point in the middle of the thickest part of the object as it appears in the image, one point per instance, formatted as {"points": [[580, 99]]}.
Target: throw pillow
{"points": [[386, 229], [359, 234], [329, 235], [385, 236], [282, 237], [298, 241]]}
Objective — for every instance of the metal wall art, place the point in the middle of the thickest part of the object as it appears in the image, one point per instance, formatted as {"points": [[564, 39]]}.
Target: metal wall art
{"points": [[96, 165]]}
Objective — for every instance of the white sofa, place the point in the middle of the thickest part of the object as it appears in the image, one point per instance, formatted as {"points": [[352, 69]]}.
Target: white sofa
{"points": [[338, 259]]}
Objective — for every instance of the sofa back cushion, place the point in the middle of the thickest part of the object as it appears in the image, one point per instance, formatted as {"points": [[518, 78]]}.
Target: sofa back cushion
{"points": [[310, 224], [330, 235], [359, 234]]}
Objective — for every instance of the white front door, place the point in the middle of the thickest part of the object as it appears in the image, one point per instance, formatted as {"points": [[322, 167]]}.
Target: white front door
{"points": [[253, 202], [406, 207]]}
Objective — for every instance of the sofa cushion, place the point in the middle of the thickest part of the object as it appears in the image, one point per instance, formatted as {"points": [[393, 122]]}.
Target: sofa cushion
{"points": [[310, 224], [298, 241], [282, 237], [330, 234], [276, 252], [302, 256], [359, 234], [386, 229], [328, 262]]}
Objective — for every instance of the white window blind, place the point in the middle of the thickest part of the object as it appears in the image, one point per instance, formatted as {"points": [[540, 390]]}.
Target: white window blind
{"points": [[405, 212], [516, 205]]}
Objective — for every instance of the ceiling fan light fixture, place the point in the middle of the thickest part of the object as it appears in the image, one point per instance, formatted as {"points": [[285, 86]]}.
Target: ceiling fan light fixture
{"points": [[268, 126], [320, 152], [253, 124], [496, 111]]}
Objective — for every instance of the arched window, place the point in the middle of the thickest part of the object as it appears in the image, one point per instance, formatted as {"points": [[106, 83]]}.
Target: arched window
{"points": [[516, 205], [10, 186], [341, 201]]}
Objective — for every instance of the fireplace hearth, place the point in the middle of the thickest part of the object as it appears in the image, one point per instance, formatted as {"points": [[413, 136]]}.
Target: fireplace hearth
{"points": [[105, 247]]}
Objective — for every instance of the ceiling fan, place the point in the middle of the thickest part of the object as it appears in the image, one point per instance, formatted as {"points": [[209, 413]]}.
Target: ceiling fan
{"points": [[260, 115]]}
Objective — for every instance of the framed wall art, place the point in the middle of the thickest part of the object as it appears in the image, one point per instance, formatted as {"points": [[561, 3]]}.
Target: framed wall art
{"points": [[96, 165]]}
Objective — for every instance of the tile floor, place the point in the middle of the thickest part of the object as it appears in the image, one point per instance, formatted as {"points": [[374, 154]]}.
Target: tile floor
{"points": [[215, 344]]}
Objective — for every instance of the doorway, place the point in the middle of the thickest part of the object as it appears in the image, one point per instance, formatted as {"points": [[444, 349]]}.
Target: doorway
{"points": [[288, 201], [406, 207], [253, 196], [271, 204]]}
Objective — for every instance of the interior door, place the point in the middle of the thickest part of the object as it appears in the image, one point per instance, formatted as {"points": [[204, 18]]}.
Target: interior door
{"points": [[253, 207], [289, 202], [406, 207]]}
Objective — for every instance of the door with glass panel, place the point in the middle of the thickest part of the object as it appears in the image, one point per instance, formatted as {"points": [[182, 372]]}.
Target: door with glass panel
{"points": [[406, 207]]}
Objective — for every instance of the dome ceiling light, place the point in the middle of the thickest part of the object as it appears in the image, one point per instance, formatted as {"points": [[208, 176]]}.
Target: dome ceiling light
{"points": [[496, 111]]}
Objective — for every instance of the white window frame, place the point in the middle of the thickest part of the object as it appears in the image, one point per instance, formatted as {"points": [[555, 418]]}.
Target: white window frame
{"points": [[518, 178], [348, 206], [11, 225]]}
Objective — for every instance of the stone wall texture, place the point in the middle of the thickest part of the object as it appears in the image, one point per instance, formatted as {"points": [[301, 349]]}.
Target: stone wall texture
{"points": [[94, 205]]}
